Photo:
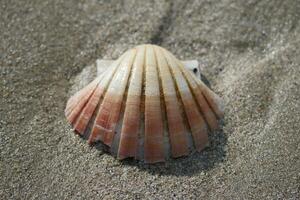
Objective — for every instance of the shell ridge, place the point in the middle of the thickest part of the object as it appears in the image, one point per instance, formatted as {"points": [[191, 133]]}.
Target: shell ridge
{"points": [[82, 119], [166, 138], [153, 119], [117, 137], [214, 102], [89, 108], [78, 97], [100, 95], [212, 98], [141, 134], [104, 83], [128, 144], [176, 130], [190, 80], [74, 114], [110, 107], [185, 119], [80, 94], [202, 103], [115, 114], [196, 121]]}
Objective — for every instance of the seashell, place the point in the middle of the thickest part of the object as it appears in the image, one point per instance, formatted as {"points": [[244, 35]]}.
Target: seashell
{"points": [[146, 105]]}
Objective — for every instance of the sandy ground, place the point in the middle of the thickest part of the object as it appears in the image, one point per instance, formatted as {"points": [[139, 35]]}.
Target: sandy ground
{"points": [[249, 51]]}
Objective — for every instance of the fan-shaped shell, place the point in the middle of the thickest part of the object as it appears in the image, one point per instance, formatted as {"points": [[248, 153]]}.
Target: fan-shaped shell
{"points": [[146, 105]]}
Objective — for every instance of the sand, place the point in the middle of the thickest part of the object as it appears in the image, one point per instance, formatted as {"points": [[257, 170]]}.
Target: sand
{"points": [[248, 50]]}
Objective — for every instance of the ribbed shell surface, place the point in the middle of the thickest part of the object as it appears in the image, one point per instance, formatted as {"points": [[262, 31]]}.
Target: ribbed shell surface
{"points": [[146, 105]]}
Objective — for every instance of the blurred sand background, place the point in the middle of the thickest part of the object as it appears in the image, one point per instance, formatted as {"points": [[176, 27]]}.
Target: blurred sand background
{"points": [[248, 50]]}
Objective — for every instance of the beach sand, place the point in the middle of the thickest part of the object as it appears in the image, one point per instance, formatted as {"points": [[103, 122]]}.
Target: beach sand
{"points": [[248, 50]]}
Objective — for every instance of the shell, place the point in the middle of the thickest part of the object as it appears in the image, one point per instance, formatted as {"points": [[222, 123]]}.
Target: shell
{"points": [[146, 105]]}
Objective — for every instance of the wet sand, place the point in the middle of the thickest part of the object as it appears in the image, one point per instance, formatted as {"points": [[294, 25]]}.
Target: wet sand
{"points": [[249, 52]]}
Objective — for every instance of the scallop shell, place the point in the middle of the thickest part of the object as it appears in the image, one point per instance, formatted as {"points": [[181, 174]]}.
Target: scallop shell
{"points": [[146, 105]]}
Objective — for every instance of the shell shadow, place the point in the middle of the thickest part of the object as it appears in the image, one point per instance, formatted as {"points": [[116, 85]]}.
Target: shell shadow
{"points": [[205, 81]]}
